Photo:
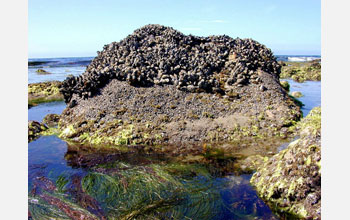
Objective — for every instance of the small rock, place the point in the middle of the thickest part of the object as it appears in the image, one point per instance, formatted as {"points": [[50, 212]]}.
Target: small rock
{"points": [[263, 88], [297, 94], [42, 72]]}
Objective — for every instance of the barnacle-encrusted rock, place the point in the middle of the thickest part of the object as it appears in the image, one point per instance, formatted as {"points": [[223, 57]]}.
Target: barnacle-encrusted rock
{"points": [[160, 86], [291, 180]]}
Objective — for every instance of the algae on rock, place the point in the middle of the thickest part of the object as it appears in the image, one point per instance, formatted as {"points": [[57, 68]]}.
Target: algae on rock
{"points": [[302, 71], [44, 92], [291, 180]]}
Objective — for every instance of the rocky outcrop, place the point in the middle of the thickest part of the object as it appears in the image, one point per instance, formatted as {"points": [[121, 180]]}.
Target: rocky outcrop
{"points": [[158, 86], [158, 55], [44, 92], [34, 129], [291, 180], [302, 71]]}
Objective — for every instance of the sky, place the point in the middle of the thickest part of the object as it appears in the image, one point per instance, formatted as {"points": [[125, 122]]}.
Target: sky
{"points": [[79, 28]]}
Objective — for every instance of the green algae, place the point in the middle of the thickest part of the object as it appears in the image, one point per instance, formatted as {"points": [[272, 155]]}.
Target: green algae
{"points": [[301, 71], [170, 191], [44, 92], [282, 179], [285, 85]]}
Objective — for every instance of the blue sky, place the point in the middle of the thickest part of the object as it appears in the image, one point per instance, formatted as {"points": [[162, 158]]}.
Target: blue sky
{"points": [[61, 28]]}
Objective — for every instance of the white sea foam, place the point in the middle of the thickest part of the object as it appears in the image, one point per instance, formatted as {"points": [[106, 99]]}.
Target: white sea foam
{"points": [[302, 59]]}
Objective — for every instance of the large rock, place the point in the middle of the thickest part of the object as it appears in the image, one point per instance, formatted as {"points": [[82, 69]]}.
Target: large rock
{"points": [[159, 86], [291, 180]]}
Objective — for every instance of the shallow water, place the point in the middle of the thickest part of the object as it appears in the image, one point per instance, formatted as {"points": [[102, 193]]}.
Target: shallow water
{"points": [[37, 113], [59, 68], [222, 197], [57, 73], [311, 91]]}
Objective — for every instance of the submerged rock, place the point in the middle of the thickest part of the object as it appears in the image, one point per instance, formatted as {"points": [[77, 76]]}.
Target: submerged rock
{"points": [[159, 86], [44, 92], [297, 94], [34, 129], [42, 72], [291, 180]]}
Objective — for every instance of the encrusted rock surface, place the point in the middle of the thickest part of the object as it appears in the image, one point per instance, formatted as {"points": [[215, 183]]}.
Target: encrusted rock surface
{"points": [[159, 86], [51, 120], [291, 180], [302, 71], [159, 55], [34, 129], [44, 92]]}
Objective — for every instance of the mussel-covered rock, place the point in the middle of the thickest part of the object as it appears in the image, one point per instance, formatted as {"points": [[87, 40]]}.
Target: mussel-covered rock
{"points": [[160, 86], [34, 129]]}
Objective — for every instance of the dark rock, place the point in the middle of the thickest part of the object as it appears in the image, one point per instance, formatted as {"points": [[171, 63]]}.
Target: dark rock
{"points": [[165, 54], [263, 88], [72, 103], [34, 129]]}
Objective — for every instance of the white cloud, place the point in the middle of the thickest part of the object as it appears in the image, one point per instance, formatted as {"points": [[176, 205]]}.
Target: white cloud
{"points": [[218, 21]]}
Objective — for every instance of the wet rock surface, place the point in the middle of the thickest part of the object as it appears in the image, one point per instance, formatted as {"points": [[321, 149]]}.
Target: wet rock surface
{"points": [[291, 180], [301, 71], [42, 72], [159, 86], [34, 129], [43, 92], [51, 120], [297, 94]]}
